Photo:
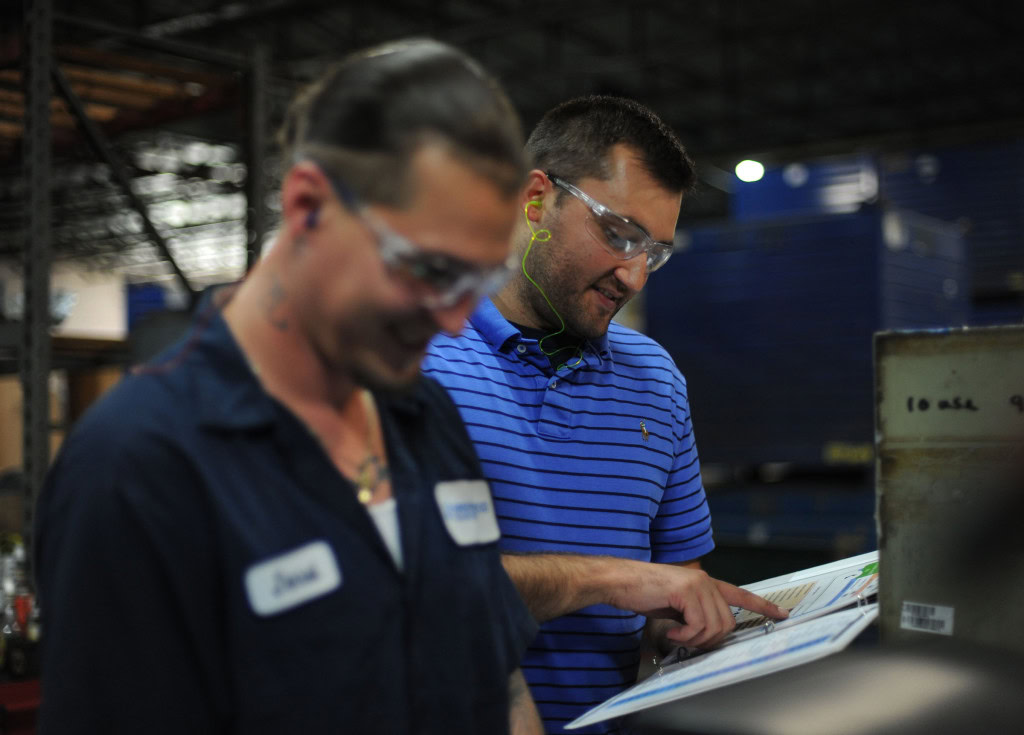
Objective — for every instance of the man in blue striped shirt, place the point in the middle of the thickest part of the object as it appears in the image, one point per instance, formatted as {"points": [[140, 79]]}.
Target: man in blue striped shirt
{"points": [[582, 425]]}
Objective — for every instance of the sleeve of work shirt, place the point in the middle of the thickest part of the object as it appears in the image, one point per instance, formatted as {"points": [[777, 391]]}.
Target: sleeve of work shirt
{"points": [[126, 590]]}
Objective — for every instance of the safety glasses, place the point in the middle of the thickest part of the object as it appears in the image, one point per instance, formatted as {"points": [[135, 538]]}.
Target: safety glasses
{"points": [[439, 281], [616, 233]]}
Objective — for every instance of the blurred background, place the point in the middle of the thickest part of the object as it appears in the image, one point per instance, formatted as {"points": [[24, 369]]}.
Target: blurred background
{"points": [[861, 168]]}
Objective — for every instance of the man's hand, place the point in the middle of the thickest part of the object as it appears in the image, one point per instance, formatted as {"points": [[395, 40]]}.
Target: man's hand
{"points": [[556, 584], [698, 602]]}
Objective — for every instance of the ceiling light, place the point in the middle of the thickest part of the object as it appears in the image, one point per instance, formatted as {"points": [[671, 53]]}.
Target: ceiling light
{"points": [[749, 171]]}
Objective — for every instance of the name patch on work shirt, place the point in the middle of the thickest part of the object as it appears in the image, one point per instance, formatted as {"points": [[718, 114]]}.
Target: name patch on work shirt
{"points": [[292, 578], [468, 511]]}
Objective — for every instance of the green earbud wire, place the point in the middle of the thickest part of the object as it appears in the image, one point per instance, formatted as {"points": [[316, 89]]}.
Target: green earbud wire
{"points": [[544, 236]]}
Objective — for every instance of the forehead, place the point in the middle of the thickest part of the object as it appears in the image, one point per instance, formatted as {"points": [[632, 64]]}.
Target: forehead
{"points": [[453, 209], [632, 192]]}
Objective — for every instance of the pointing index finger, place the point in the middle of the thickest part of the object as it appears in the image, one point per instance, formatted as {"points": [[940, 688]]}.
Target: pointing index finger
{"points": [[740, 597]]}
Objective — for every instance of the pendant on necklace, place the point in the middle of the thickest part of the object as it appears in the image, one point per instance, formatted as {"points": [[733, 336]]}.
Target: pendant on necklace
{"points": [[366, 486], [371, 473]]}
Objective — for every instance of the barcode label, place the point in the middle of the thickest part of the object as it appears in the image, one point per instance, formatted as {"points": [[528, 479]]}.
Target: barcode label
{"points": [[927, 618]]}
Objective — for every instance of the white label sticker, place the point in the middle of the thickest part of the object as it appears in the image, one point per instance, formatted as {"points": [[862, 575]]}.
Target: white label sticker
{"points": [[927, 618], [468, 511], [295, 577]]}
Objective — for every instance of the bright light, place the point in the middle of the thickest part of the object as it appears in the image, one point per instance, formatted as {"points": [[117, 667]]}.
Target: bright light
{"points": [[749, 171]]}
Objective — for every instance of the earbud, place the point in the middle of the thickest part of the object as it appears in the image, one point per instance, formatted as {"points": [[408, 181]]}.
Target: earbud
{"points": [[311, 219], [537, 235]]}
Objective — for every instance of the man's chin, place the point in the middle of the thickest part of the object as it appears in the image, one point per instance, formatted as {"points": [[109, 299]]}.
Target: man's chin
{"points": [[389, 378], [590, 321], [594, 328]]}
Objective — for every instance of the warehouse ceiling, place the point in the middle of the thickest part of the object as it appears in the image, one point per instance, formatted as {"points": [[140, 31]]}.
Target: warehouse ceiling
{"points": [[783, 81], [733, 77]]}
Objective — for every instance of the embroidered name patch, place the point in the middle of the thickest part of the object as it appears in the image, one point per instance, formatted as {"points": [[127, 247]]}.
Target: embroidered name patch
{"points": [[468, 511], [292, 578]]}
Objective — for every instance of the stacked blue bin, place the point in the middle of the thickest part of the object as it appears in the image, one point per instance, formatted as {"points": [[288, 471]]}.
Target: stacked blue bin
{"points": [[771, 322]]}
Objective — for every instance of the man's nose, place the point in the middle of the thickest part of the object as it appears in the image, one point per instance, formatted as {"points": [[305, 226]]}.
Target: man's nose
{"points": [[632, 273]]}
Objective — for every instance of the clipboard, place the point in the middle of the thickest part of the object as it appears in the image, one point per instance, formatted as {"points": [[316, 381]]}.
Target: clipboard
{"points": [[830, 605]]}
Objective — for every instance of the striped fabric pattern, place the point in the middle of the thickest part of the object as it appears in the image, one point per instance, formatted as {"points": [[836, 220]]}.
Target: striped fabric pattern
{"points": [[598, 458]]}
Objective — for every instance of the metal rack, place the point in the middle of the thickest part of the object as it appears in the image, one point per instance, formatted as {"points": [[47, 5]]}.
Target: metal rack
{"points": [[98, 103]]}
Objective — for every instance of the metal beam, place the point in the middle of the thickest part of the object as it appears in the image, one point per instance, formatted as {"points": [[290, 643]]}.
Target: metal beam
{"points": [[176, 48], [101, 146], [233, 16], [35, 346], [101, 58]]}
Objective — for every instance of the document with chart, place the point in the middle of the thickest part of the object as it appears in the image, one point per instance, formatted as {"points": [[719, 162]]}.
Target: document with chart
{"points": [[829, 606], [811, 593]]}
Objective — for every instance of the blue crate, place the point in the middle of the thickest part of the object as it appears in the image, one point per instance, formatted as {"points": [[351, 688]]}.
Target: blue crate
{"points": [[771, 322], [979, 187]]}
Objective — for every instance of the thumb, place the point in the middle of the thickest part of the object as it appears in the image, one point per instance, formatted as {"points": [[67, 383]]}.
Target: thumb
{"points": [[739, 597]]}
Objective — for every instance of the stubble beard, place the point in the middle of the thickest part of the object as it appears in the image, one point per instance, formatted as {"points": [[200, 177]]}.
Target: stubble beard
{"points": [[569, 299], [568, 296]]}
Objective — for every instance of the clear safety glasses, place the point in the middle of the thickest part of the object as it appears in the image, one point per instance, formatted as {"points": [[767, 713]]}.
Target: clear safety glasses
{"points": [[440, 281], [618, 234]]}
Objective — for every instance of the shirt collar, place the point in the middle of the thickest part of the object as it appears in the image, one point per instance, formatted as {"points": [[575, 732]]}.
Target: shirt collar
{"points": [[494, 327], [230, 395], [503, 336]]}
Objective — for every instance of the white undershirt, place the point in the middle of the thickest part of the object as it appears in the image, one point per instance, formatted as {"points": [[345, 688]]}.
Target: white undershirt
{"points": [[385, 517]]}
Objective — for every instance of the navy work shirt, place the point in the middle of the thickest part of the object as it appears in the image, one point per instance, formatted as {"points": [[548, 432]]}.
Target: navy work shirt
{"points": [[204, 568]]}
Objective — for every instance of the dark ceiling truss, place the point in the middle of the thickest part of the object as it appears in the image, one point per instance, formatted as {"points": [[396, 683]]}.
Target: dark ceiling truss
{"points": [[105, 152], [806, 71], [785, 81], [109, 89]]}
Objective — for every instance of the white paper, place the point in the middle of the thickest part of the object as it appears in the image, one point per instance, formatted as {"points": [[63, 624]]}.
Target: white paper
{"points": [[811, 593], [746, 659]]}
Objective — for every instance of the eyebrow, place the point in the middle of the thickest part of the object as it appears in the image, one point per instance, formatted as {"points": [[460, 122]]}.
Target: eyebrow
{"points": [[555, 179], [635, 221]]}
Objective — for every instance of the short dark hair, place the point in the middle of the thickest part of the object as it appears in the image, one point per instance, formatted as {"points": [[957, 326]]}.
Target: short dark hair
{"points": [[368, 114], [574, 138]]}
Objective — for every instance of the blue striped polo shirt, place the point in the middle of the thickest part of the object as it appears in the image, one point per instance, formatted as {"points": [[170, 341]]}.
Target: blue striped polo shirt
{"points": [[596, 458]]}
